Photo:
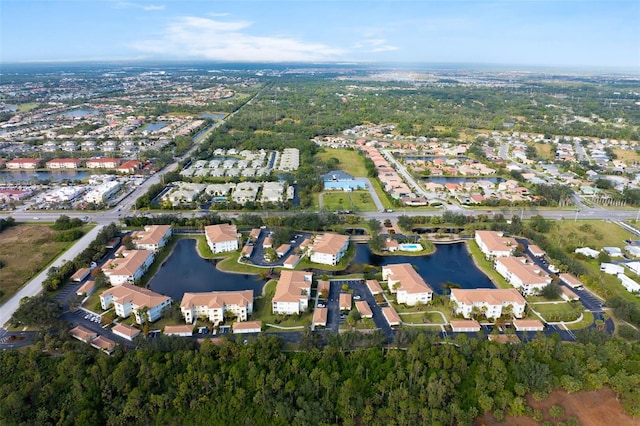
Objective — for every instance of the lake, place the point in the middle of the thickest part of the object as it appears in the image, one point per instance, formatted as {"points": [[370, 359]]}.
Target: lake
{"points": [[80, 113], [24, 176], [185, 271], [450, 263], [152, 127]]}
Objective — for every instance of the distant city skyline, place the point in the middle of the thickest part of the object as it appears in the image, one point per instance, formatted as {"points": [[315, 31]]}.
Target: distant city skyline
{"points": [[600, 34]]}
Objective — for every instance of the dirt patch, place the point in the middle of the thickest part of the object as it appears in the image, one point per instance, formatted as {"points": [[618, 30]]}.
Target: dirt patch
{"points": [[594, 408], [15, 339]]}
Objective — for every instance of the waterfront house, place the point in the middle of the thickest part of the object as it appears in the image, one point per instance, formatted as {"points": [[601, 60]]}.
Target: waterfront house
{"points": [[328, 249], [405, 282], [221, 238], [492, 303], [214, 305], [145, 304], [292, 292]]}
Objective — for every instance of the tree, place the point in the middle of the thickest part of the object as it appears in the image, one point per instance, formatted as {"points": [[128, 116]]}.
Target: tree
{"points": [[37, 311], [374, 225], [405, 222], [551, 291]]}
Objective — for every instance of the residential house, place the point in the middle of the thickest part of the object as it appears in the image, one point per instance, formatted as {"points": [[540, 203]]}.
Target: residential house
{"points": [[129, 268], [145, 304], [328, 249], [405, 282], [23, 163], [494, 244], [221, 238], [152, 238], [103, 163], [526, 276], [611, 268], [586, 251], [492, 303], [214, 305], [64, 163], [292, 292]]}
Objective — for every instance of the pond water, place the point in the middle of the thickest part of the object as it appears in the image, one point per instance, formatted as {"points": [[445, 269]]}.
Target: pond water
{"points": [[80, 113], [185, 271], [39, 176], [450, 263], [152, 127]]}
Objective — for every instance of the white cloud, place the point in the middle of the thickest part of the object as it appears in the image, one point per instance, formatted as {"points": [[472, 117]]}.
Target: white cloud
{"points": [[374, 45], [205, 38], [147, 7]]}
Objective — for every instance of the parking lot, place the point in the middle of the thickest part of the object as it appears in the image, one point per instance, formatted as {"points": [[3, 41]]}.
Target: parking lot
{"points": [[88, 315], [257, 256], [360, 292]]}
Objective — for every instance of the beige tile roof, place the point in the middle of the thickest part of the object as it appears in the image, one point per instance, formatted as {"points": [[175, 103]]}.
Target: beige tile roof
{"points": [[492, 296], [152, 234], [364, 309], [129, 264], [137, 295], [283, 248], [125, 330], [495, 241], [329, 243], [323, 285], [247, 250], [457, 324], [217, 299], [221, 233], [86, 287], [345, 301], [292, 285], [374, 286], [533, 323], [391, 315], [255, 233], [80, 274], [528, 273], [571, 280], [246, 325], [104, 343], [410, 280], [569, 293], [320, 316], [535, 250], [177, 329], [83, 333]]}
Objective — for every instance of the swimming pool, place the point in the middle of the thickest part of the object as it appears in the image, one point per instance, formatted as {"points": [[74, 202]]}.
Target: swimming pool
{"points": [[409, 247]]}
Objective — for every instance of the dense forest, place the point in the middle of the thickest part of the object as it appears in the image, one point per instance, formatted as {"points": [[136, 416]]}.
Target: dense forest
{"points": [[428, 382]]}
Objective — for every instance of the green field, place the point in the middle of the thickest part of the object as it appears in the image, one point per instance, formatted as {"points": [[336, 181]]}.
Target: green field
{"points": [[563, 311], [350, 161], [486, 266], [357, 201], [21, 261]]}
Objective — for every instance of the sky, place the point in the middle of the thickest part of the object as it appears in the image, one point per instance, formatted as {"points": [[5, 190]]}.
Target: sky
{"points": [[570, 33]]}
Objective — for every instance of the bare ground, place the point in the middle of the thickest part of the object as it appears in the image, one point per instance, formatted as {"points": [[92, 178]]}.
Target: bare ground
{"points": [[595, 408]]}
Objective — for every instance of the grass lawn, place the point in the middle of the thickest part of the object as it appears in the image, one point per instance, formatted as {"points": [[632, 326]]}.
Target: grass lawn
{"points": [[553, 312], [355, 201], [384, 197], [593, 233], [350, 160], [422, 318], [262, 311], [93, 301], [29, 106], [486, 266], [544, 150], [587, 320], [627, 155], [21, 261], [230, 264]]}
